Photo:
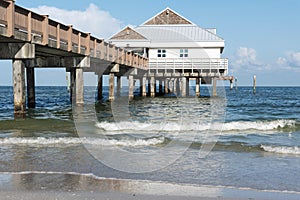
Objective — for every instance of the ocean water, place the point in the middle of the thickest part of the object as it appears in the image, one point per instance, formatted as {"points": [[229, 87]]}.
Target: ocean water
{"points": [[239, 139]]}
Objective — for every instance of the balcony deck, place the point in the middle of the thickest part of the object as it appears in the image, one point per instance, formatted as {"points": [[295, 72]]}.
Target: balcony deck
{"points": [[201, 66]]}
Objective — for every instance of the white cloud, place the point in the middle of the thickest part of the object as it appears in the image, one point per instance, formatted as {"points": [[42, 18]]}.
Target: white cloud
{"points": [[93, 20], [246, 59], [290, 61]]}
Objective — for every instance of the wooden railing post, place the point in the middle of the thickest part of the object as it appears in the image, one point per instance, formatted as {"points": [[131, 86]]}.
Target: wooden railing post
{"points": [[11, 18], [87, 44], [70, 32], [79, 43], [102, 50], [58, 36], [29, 28], [45, 30], [95, 47]]}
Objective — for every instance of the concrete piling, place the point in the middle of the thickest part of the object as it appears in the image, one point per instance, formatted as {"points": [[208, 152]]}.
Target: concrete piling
{"points": [[152, 86], [119, 86], [144, 91], [19, 88], [183, 87], [131, 87], [79, 86], [197, 87], [111, 87], [214, 93], [30, 87], [100, 87]]}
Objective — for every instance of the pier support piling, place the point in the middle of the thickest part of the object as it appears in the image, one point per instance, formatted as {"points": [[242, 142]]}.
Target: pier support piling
{"points": [[19, 88], [152, 89], [254, 84], [214, 93], [119, 86], [30, 87], [183, 87], [160, 87], [79, 86], [187, 87], [231, 84], [111, 87], [144, 91], [131, 87], [166, 86], [100, 87], [197, 87], [72, 85]]}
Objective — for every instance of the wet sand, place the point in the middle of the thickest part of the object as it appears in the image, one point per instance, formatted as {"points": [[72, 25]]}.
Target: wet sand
{"points": [[45, 185]]}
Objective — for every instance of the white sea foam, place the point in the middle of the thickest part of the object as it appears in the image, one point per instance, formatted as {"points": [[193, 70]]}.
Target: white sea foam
{"points": [[281, 149], [77, 141], [186, 126]]}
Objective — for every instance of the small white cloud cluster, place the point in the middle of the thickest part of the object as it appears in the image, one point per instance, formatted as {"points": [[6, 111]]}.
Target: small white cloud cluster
{"points": [[93, 20], [246, 59], [290, 61]]}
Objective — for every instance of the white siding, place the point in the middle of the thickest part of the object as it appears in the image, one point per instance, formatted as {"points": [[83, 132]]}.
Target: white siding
{"points": [[192, 53]]}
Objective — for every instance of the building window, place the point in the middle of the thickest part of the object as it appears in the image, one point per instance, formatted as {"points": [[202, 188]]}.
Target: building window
{"points": [[161, 53], [184, 53]]}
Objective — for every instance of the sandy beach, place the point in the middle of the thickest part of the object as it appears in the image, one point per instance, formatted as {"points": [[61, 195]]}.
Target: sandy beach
{"points": [[74, 186]]}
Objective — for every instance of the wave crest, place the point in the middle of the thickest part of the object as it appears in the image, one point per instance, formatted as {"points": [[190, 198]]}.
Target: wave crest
{"points": [[40, 141], [281, 149], [173, 126]]}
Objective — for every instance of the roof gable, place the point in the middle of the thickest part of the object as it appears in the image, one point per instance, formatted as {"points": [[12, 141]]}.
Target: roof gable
{"points": [[128, 33], [167, 16]]}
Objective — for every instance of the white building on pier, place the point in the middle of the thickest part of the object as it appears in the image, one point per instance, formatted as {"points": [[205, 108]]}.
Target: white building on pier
{"points": [[176, 47], [172, 42]]}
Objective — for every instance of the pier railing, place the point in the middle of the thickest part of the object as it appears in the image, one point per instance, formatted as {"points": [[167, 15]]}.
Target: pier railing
{"points": [[22, 24], [201, 65]]}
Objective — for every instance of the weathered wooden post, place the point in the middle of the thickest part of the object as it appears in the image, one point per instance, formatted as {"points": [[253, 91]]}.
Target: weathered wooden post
{"points": [[231, 84], [11, 18], [254, 84], [19, 88]]}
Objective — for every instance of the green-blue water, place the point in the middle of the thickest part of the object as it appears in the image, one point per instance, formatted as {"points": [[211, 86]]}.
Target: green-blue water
{"points": [[255, 138]]}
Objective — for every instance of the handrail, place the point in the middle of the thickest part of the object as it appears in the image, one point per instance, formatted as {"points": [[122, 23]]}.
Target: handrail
{"points": [[192, 64], [29, 26]]}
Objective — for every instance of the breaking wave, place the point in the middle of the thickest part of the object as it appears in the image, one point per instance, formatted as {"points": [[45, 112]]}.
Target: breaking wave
{"points": [[281, 149], [171, 126], [40, 141]]}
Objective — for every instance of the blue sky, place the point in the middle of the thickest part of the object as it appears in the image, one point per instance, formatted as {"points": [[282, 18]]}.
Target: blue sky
{"points": [[262, 36]]}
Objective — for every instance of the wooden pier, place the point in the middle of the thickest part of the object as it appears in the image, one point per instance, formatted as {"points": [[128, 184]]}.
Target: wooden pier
{"points": [[34, 41]]}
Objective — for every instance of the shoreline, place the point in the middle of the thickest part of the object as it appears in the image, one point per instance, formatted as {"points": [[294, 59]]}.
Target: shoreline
{"points": [[55, 185]]}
